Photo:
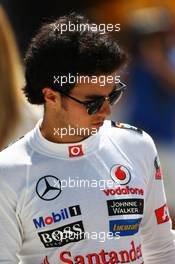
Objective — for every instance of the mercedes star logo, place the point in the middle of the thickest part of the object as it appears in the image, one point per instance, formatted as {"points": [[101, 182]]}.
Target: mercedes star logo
{"points": [[48, 187]]}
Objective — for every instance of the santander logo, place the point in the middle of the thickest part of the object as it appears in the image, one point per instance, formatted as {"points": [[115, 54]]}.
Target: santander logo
{"points": [[45, 261], [120, 174]]}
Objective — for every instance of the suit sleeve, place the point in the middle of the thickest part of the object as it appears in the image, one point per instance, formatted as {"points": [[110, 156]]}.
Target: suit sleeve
{"points": [[10, 231], [158, 240]]}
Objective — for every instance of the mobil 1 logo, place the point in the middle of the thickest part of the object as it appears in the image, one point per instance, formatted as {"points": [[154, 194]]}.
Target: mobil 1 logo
{"points": [[63, 235], [57, 217]]}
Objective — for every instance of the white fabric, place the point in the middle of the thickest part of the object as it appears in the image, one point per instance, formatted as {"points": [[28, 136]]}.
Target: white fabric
{"points": [[27, 210]]}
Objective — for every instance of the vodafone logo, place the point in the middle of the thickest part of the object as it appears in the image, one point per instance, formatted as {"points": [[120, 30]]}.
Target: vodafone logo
{"points": [[75, 151], [120, 174]]}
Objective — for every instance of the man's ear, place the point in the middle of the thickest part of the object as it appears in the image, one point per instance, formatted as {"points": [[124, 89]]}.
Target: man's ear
{"points": [[51, 97]]}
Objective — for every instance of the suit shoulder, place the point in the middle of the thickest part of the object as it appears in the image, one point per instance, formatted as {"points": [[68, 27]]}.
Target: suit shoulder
{"points": [[126, 126], [132, 137], [15, 153]]}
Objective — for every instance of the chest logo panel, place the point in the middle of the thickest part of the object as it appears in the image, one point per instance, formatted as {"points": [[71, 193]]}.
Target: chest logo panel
{"points": [[48, 187], [120, 174]]}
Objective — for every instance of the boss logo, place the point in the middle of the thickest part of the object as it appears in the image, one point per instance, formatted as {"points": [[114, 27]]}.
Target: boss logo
{"points": [[64, 235]]}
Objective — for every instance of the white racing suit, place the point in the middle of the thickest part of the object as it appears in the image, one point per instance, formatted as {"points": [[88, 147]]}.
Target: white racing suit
{"points": [[98, 201]]}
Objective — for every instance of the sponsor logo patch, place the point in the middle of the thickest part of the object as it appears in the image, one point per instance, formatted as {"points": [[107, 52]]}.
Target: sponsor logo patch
{"points": [[125, 206], [63, 235], [123, 191], [45, 261], [60, 216], [120, 174], [126, 126], [48, 187], [75, 151], [126, 227], [162, 214], [158, 173], [132, 254]]}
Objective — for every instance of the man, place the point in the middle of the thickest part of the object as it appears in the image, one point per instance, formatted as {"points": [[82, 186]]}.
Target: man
{"points": [[54, 208]]}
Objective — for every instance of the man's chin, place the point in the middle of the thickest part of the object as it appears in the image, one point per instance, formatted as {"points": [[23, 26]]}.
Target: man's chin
{"points": [[98, 125]]}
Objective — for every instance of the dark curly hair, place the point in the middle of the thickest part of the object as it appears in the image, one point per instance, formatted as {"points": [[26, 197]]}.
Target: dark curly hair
{"points": [[52, 53]]}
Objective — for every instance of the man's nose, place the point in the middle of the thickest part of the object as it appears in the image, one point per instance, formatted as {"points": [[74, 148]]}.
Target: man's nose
{"points": [[105, 109]]}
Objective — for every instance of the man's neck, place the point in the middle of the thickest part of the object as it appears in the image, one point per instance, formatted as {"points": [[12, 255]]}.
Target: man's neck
{"points": [[56, 135]]}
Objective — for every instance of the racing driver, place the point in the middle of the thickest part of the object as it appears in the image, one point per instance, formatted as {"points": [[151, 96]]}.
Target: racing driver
{"points": [[46, 214]]}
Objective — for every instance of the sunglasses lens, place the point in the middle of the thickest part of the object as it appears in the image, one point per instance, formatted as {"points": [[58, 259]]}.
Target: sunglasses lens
{"points": [[115, 97], [95, 106]]}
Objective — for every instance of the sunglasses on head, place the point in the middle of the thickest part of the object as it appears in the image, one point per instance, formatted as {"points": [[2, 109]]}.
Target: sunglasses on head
{"points": [[93, 106]]}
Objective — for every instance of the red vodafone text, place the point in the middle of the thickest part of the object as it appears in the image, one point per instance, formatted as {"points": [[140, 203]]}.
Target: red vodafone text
{"points": [[123, 190]]}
